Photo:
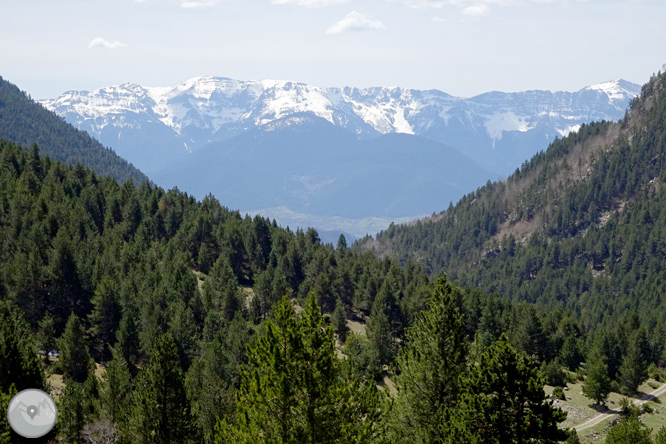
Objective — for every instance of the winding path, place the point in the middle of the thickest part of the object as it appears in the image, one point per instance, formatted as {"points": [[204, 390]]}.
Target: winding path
{"points": [[610, 413]]}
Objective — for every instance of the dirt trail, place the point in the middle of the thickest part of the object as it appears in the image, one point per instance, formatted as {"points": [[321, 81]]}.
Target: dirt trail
{"points": [[610, 413]]}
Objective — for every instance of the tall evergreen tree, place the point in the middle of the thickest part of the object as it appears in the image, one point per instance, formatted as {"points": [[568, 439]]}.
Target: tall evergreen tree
{"points": [[105, 316], [74, 355], [160, 411], [71, 417], [597, 384], [116, 388], [295, 391], [629, 431], [503, 402], [127, 338], [19, 366], [430, 366], [633, 370], [221, 291], [339, 321]]}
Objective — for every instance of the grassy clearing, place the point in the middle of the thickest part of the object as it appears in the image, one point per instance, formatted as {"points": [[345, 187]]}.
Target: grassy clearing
{"points": [[580, 409], [56, 381]]}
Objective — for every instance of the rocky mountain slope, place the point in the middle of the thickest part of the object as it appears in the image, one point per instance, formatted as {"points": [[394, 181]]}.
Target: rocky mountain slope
{"points": [[153, 125]]}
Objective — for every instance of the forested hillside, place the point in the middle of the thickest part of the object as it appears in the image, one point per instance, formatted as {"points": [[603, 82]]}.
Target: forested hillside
{"points": [[25, 122], [209, 322], [210, 327], [579, 227], [179, 320]]}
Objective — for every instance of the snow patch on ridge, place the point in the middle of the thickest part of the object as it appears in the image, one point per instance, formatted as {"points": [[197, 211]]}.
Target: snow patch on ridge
{"points": [[497, 123], [202, 107]]}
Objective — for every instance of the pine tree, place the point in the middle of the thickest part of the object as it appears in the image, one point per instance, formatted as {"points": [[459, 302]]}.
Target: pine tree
{"points": [[74, 356], [19, 365], [339, 321], [70, 414], [381, 343], [105, 316], [633, 370], [160, 411], [342, 243], [127, 337], [116, 388], [629, 431], [46, 334], [597, 384], [430, 365], [221, 291], [660, 437], [573, 437], [295, 391], [5, 428], [504, 402], [209, 387]]}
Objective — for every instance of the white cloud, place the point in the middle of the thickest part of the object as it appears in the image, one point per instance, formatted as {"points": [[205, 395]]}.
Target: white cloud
{"points": [[468, 7], [99, 42], [354, 21], [197, 3], [189, 4], [476, 10], [425, 3], [309, 3]]}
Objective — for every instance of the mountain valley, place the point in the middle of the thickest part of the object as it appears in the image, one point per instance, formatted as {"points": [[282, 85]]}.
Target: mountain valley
{"points": [[203, 135]]}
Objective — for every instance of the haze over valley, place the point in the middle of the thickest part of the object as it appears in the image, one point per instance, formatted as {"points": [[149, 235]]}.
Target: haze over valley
{"points": [[446, 223], [340, 159]]}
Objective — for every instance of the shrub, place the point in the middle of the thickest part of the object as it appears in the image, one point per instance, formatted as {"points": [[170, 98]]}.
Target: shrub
{"points": [[628, 408], [558, 392]]}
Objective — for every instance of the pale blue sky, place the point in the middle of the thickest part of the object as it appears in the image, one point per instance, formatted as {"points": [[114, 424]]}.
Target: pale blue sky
{"points": [[463, 47]]}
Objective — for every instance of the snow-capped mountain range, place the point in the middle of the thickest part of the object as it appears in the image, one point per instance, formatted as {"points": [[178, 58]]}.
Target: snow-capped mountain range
{"points": [[340, 159], [491, 128]]}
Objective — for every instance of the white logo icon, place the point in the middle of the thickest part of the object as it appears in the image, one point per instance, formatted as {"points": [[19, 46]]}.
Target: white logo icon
{"points": [[32, 413]]}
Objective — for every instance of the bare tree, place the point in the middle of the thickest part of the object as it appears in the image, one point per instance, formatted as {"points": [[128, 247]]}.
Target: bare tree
{"points": [[103, 431]]}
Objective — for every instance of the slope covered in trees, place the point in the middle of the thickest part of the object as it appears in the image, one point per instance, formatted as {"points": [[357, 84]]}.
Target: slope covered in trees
{"points": [[25, 122], [178, 297], [579, 227]]}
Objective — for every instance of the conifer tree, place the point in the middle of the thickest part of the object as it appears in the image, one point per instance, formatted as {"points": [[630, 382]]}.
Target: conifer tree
{"points": [[5, 428], [116, 388], [19, 366], [295, 391], [221, 291], [503, 402], [70, 414], [430, 365], [380, 342], [597, 384], [105, 316], [127, 337], [629, 431], [160, 411], [74, 356], [46, 334], [633, 370], [339, 321]]}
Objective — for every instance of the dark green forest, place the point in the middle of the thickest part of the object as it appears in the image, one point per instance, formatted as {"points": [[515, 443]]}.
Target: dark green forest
{"points": [[579, 228], [179, 320], [25, 122], [208, 323]]}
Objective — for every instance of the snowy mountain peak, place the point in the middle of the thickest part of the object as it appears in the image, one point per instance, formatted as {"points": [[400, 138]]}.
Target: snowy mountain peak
{"points": [[616, 90], [198, 111]]}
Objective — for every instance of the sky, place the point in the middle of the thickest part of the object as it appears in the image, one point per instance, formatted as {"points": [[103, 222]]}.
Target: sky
{"points": [[462, 47]]}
